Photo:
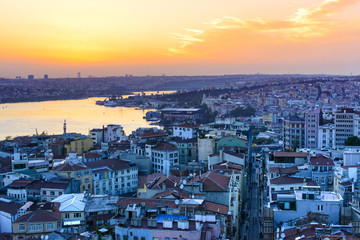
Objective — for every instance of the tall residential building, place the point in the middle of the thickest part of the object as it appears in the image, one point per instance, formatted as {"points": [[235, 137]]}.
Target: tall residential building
{"points": [[346, 125], [113, 176], [312, 122], [294, 132], [163, 156], [326, 136]]}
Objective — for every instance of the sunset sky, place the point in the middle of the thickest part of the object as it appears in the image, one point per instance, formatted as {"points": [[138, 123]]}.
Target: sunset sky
{"points": [[178, 37]]}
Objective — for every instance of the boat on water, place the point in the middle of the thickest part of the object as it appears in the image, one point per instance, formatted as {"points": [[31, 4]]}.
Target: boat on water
{"points": [[110, 104], [112, 101]]}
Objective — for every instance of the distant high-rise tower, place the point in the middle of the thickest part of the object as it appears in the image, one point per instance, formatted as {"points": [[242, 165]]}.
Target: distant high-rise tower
{"points": [[30, 77], [79, 75], [64, 127], [46, 76]]}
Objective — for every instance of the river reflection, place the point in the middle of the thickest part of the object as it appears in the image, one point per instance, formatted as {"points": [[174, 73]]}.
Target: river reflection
{"points": [[17, 119]]}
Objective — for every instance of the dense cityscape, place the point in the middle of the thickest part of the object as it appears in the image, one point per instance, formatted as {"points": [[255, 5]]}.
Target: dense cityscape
{"points": [[273, 159], [180, 120]]}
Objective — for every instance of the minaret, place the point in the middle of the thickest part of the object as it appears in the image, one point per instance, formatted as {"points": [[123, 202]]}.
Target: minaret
{"points": [[65, 128]]}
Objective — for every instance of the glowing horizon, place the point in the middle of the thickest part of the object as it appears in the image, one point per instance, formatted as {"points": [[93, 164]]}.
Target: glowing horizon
{"points": [[140, 37]]}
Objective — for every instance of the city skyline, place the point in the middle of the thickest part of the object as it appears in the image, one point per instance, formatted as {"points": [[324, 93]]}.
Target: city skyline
{"points": [[178, 37]]}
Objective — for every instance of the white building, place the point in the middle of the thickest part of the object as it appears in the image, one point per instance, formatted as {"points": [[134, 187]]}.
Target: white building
{"points": [[347, 125], [326, 136], [351, 157], [17, 190], [163, 157], [9, 211], [206, 146], [96, 135], [185, 130], [19, 161], [310, 199], [109, 133], [113, 132], [225, 155], [113, 176]]}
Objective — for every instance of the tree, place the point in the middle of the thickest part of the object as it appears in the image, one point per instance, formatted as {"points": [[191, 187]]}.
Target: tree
{"points": [[243, 112], [352, 141]]}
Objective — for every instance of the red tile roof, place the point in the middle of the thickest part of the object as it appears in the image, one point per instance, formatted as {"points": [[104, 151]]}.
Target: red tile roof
{"points": [[232, 153], [291, 154], [5, 165], [152, 135], [50, 185], [20, 183], [92, 155], [9, 207], [289, 170], [70, 167], [150, 179], [169, 181], [215, 207], [165, 147], [213, 182], [39, 216], [188, 125], [227, 165], [177, 193], [113, 164], [290, 180], [321, 160]]}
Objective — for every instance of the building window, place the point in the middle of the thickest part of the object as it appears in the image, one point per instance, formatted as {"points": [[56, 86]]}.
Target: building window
{"points": [[322, 180], [38, 227], [320, 208], [77, 215], [21, 227], [49, 226], [31, 228], [67, 215], [329, 179], [52, 193]]}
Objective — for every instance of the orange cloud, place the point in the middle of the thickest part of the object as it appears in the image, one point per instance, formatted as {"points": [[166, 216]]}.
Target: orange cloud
{"points": [[229, 35]]}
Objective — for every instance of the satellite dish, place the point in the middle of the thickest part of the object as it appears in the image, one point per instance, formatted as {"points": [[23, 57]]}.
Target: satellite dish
{"points": [[282, 228], [181, 186], [278, 230], [283, 235], [194, 174], [277, 235], [326, 238], [46, 237], [42, 236], [177, 202], [184, 181], [190, 175]]}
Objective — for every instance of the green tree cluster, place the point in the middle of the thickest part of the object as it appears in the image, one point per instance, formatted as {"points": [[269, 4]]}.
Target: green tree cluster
{"points": [[352, 141], [243, 112]]}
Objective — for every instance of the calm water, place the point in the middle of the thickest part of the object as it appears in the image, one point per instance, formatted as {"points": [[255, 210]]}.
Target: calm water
{"points": [[17, 119]]}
